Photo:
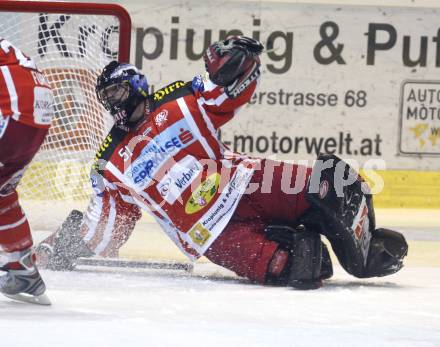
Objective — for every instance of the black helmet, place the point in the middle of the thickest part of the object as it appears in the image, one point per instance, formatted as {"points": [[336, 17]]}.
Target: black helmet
{"points": [[120, 88]]}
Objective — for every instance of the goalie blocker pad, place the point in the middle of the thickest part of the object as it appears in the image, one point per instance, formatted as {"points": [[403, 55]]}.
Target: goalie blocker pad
{"points": [[342, 210], [61, 250]]}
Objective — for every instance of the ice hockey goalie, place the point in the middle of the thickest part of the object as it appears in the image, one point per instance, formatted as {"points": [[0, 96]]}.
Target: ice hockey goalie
{"points": [[260, 218]]}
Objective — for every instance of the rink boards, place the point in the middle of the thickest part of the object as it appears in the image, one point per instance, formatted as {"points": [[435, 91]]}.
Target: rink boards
{"points": [[401, 188]]}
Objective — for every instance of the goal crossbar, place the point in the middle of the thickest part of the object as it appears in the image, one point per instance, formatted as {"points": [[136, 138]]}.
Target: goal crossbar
{"points": [[79, 8]]}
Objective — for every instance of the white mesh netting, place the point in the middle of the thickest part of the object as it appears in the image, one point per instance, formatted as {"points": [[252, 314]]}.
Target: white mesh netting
{"points": [[71, 50]]}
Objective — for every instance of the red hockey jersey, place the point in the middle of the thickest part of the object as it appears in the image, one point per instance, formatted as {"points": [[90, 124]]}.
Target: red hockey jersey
{"points": [[172, 165], [25, 94]]}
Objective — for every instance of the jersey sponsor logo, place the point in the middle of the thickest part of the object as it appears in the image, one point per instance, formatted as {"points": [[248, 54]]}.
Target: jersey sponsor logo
{"points": [[22, 59], [211, 220], [159, 95], [228, 199], [217, 216], [240, 179], [164, 187], [40, 79], [179, 178], [161, 118], [43, 105], [203, 194], [3, 125], [158, 150], [199, 234]]}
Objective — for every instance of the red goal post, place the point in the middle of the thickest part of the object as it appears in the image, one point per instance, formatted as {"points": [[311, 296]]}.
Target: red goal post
{"points": [[71, 43], [82, 9]]}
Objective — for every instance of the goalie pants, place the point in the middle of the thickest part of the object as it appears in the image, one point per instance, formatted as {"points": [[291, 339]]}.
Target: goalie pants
{"points": [[280, 198], [18, 145]]}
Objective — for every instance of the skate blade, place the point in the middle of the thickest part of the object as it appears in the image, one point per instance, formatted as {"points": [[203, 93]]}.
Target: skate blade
{"points": [[42, 299]]}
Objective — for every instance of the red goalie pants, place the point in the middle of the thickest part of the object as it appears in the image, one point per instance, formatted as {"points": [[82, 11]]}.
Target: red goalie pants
{"points": [[280, 198], [18, 145]]}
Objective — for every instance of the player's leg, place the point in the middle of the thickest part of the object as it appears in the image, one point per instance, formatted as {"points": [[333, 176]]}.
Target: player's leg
{"points": [[346, 220], [281, 200], [264, 241], [18, 145], [343, 212], [277, 192], [274, 254], [243, 248]]}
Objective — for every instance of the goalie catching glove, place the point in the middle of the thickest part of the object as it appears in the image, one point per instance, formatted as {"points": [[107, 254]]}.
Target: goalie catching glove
{"points": [[233, 63]]}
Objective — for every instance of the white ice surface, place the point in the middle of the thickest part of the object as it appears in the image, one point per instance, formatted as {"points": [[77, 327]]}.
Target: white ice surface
{"points": [[212, 308]]}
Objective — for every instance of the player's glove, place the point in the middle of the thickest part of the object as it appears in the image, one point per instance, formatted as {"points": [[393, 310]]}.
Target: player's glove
{"points": [[233, 63]]}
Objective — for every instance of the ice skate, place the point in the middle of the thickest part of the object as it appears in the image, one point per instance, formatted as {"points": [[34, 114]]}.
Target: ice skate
{"points": [[21, 281]]}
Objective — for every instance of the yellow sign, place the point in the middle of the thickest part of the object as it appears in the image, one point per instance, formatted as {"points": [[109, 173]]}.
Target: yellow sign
{"points": [[203, 194]]}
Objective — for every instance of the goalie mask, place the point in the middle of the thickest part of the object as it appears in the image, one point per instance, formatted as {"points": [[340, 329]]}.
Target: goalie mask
{"points": [[120, 89]]}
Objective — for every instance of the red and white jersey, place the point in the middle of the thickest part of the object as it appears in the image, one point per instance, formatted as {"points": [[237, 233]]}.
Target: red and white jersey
{"points": [[174, 166], [25, 94]]}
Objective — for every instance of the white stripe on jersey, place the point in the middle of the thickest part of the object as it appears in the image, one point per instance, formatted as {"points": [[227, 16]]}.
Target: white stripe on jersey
{"points": [[153, 205], [189, 118], [144, 207], [172, 232], [122, 178], [108, 231], [210, 86], [221, 99], [12, 92], [118, 174], [210, 125], [93, 218], [23, 60], [127, 198], [214, 102], [13, 225], [3, 125], [4, 45]]}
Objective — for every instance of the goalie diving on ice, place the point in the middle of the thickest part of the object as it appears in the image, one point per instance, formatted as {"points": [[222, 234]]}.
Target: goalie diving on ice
{"points": [[163, 156]]}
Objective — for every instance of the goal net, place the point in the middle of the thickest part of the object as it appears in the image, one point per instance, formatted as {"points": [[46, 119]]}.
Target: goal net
{"points": [[70, 43]]}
